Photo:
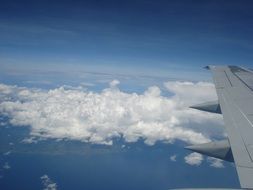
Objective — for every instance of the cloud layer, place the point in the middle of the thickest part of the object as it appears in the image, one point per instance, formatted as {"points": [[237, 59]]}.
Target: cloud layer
{"points": [[100, 117]]}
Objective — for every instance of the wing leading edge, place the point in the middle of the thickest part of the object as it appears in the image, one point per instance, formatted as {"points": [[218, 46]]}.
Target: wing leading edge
{"points": [[234, 87]]}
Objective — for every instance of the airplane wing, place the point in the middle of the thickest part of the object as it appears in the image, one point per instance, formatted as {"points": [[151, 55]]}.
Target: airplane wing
{"points": [[234, 87]]}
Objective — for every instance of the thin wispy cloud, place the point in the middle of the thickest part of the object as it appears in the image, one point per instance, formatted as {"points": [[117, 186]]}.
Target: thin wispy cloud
{"points": [[173, 158], [6, 166], [7, 153]]}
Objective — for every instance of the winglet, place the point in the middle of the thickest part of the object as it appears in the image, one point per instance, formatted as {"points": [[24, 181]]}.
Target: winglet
{"points": [[213, 107], [217, 149]]}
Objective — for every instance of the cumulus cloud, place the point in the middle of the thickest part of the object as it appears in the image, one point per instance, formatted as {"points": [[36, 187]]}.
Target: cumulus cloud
{"points": [[100, 117], [216, 163], [194, 159], [47, 183], [173, 158], [197, 159], [187, 93]]}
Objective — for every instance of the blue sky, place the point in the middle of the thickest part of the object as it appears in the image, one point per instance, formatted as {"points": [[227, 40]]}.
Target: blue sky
{"points": [[143, 37], [114, 79]]}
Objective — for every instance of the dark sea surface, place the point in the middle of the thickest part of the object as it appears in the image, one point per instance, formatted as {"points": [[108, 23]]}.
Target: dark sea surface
{"points": [[78, 165]]}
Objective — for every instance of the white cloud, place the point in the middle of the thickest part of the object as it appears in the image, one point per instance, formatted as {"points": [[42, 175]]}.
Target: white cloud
{"points": [[99, 117], [194, 159], [197, 159], [188, 93], [29, 140], [47, 183], [6, 166], [114, 83], [216, 163], [173, 158], [7, 153]]}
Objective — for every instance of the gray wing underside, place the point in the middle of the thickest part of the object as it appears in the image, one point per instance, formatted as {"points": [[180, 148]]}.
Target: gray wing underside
{"points": [[234, 87]]}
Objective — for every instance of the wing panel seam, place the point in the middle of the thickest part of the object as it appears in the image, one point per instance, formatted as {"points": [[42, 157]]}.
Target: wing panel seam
{"points": [[234, 123], [228, 79]]}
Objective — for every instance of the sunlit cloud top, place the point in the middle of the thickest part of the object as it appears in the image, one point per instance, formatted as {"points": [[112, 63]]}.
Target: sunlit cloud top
{"points": [[101, 117]]}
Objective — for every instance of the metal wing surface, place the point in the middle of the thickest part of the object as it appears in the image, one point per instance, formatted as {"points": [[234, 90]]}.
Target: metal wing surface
{"points": [[234, 86]]}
